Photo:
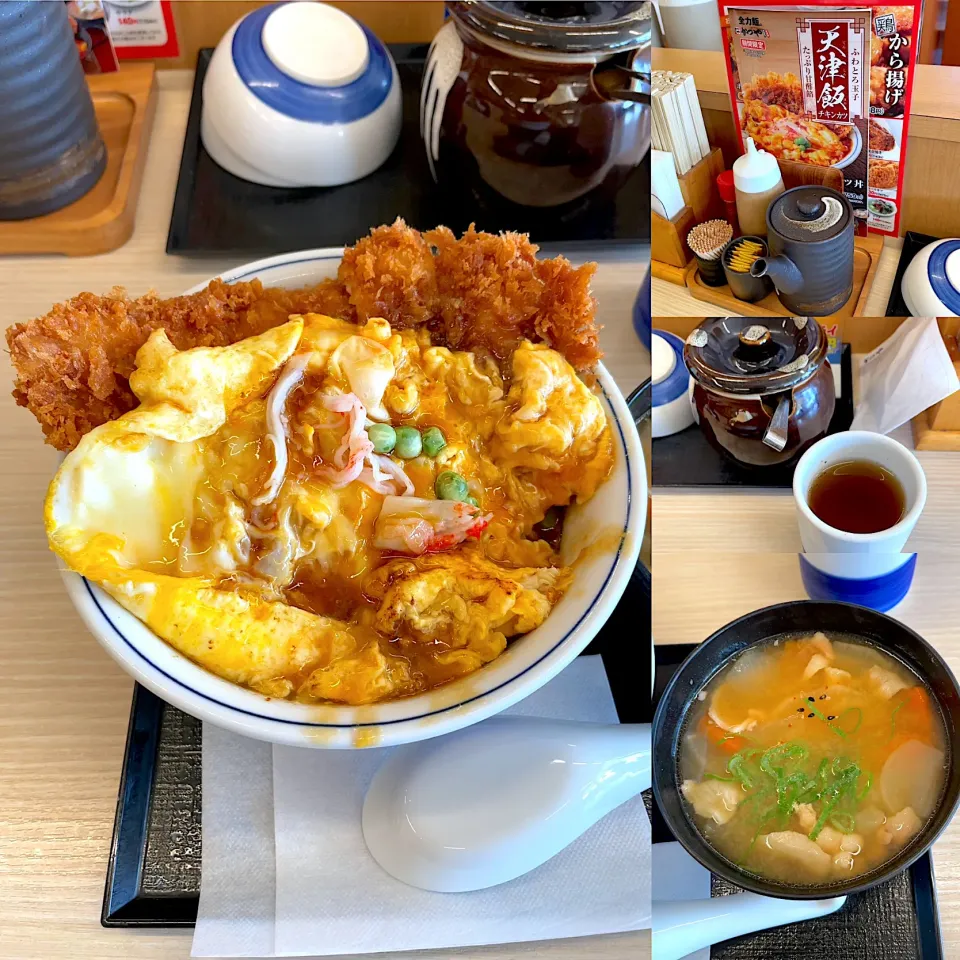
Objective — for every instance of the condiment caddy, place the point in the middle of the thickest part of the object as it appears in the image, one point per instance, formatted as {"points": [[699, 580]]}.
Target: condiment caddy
{"points": [[866, 259], [810, 263]]}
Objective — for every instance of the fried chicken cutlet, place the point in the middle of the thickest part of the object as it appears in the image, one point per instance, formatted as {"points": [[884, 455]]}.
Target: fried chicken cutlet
{"points": [[481, 292]]}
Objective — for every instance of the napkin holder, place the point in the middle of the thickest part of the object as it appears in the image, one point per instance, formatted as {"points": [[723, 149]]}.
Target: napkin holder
{"points": [[938, 427], [699, 187], [671, 257], [668, 240]]}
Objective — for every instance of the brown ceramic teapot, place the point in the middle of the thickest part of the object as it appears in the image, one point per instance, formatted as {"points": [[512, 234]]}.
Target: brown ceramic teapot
{"points": [[537, 105], [762, 386]]}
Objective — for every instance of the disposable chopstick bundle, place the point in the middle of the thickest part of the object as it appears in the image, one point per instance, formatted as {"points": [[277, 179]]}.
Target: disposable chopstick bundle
{"points": [[678, 126]]}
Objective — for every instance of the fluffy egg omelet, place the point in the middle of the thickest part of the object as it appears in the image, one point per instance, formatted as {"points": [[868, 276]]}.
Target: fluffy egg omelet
{"points": [[333, 512]]}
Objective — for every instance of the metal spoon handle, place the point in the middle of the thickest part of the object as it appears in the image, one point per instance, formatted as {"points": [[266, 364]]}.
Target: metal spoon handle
{"points": [[775, 435]]}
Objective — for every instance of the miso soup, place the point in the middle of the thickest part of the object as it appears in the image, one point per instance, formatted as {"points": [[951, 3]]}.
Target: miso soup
{"points": [[811, 760]]}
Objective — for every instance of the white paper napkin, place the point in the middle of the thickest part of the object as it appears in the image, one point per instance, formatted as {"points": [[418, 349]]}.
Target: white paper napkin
{"points": [[909, 372], [238, 885], [329, 896]]}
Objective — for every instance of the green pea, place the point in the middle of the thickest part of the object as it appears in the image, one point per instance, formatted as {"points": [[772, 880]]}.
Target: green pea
{"points": [[409, 443], [433, 441], [473, 501], [383, 437], [451, 486]]}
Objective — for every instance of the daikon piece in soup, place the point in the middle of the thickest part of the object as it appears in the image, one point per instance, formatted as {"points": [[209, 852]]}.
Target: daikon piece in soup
{"points": [[811, 760]]}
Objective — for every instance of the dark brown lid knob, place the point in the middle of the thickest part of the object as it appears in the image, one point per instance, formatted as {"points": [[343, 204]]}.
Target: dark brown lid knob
{"points": [[810, 208]]}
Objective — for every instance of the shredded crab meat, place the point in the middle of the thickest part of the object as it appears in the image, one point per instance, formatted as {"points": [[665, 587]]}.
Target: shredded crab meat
{"points": [[394, 470], [414, 525], [355, 459], [286, 383]]}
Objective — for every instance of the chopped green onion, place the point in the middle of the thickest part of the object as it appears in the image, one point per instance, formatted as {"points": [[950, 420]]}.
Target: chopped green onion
{"points": [[843, 822], [893, 719], [779, 777], [433, 441], [856, 727]]}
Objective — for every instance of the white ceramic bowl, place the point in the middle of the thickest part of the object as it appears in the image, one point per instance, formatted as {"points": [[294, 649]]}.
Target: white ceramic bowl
{"points": [[931, 282], [612, 521], [300, 95]]}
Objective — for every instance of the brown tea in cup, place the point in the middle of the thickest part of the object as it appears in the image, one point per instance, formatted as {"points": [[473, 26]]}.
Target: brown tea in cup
{"points": [[857, 496]]}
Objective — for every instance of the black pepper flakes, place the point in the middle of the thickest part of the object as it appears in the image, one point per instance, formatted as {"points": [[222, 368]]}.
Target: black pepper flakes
{"points": [[822, 696], [809, 715], [831, 717], [810, 699]]}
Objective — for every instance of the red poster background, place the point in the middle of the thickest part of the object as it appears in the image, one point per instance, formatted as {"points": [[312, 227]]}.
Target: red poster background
{"points": [[170, 49]]}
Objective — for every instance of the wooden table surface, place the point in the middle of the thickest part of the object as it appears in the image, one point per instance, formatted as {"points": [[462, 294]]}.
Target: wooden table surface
{"points": [[672, 300], [63, 715]]}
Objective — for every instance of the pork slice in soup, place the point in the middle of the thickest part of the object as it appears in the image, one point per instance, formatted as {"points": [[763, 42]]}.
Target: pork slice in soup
{"points": [[811, 760]]}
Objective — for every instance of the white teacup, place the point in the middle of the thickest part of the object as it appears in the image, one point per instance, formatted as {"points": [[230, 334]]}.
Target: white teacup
{"points": [[820, 538], [869, 569]]}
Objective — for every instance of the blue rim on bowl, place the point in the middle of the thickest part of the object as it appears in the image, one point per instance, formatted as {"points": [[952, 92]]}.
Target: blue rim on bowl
{"points": [[484, 693], [940, 283], [289, 96]]}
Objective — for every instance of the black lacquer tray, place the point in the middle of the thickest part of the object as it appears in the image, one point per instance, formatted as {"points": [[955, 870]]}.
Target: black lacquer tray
{"points": [[153, 874], [215, 212], [913, 243], [897, 920], [686, 459]]}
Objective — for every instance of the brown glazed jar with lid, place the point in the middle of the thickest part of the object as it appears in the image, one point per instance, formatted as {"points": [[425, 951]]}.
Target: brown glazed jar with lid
{"points": [[763, 387], [537, 105]]}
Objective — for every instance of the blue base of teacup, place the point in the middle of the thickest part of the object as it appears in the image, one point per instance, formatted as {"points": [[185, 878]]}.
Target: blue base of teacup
{"points": [[880, 593]]}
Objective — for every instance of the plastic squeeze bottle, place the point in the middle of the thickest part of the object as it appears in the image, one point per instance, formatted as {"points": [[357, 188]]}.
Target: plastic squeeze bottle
{"points": [[757, 180]]}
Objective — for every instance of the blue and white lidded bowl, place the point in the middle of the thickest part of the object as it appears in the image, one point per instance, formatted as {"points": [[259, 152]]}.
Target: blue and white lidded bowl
{"points": [[671, 395], [931, 282], [300, 95]]}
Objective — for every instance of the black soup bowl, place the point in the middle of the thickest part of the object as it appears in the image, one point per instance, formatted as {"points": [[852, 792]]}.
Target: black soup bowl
{"points": [[801, 616]]}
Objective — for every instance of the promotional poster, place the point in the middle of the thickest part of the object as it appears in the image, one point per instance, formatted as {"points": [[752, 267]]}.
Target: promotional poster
{"points": [[829, 84]]}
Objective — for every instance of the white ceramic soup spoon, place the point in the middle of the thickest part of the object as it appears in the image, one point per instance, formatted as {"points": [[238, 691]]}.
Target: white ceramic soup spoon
{"points": [[682, 927], [490, 803]]}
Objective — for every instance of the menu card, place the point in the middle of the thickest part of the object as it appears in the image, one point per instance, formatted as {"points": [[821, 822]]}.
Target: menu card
{"points": [[830, 84]]}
